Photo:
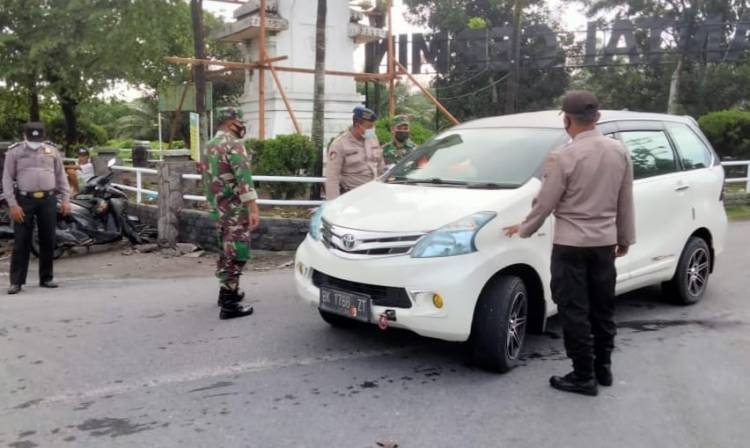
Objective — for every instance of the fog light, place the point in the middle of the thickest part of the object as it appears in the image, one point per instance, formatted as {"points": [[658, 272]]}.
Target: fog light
{"points": [[437, 300]]}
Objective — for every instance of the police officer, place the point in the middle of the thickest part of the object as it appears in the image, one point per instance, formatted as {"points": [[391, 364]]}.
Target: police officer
{"points": [[33, 176], [228, 182], [400, 145], [588, 185], [355, 157]]}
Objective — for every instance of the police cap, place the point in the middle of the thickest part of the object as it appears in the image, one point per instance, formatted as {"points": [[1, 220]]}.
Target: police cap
{"points": [[580, 102], [34, 131], [363, 113]]}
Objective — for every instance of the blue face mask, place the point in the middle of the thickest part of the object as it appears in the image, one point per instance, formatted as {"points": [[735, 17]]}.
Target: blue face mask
{"points": [[370, 134]]}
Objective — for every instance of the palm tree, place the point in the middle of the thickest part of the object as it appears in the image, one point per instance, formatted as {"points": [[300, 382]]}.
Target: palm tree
{"points": [[318, 128]]}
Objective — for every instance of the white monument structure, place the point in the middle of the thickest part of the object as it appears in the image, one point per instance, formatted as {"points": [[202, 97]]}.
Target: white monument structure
{"points": [[290, 27]]}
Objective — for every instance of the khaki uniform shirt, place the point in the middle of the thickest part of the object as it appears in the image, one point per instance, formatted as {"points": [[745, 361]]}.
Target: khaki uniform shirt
{"points": [[352, 162], [588, 184], [33, 170]]}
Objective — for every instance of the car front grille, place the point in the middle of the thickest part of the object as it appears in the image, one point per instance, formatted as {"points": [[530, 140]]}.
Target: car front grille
{"points": [[381, 295], [352, 243]]}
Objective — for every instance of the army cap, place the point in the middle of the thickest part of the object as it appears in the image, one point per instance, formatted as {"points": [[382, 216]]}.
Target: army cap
{"points": [[34, 131], [399, 120], [228, 113], [363, 113], [580, 102]]}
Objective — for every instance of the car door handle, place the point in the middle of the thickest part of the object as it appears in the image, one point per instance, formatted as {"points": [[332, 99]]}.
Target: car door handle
{"points": [[681, 187]]}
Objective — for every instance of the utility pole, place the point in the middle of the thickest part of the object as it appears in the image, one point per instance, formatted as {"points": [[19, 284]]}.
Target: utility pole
{"points": [[511, 94]]}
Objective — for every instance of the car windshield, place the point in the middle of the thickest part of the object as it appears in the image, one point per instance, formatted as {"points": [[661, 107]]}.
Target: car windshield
{"points": [[478, 158]]}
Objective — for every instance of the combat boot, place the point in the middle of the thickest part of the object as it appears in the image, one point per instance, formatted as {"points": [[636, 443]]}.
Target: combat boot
{"points": [[573, 383], [227, 295], [603, 368], [234, 309]]}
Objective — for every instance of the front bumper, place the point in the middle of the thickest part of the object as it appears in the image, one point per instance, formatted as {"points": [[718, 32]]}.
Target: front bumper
{"points": [[458, 280]]}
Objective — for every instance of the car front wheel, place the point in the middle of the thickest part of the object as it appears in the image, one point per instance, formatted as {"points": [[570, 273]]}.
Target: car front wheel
{"points": [[499, 326]]}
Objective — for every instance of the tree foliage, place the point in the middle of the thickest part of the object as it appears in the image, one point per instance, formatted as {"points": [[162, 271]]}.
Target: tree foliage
{"points": [[472, 91], [729, 132]]}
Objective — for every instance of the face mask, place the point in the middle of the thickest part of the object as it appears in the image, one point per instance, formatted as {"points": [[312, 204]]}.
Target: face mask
{"points": [[238, 129], [34, 145], [370, 134], [402, 136]]}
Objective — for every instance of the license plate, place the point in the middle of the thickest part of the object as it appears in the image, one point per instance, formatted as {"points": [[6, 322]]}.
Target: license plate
{"points": [[351, 305]]}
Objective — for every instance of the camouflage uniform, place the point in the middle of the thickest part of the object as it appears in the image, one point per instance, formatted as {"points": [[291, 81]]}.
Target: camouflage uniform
{"points": [[228, 182], [393, 153], [394, 150]]}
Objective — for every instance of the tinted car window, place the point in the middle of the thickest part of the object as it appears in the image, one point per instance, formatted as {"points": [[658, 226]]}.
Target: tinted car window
{"points": [[693, 152], [650, 152], [505, 156]]}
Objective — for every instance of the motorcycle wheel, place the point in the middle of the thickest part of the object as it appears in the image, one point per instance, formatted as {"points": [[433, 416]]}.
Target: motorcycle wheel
{"points": [[57, 253]]}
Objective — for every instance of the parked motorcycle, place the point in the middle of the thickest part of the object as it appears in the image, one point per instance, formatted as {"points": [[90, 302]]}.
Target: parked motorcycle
{"points": [[98, 215]]}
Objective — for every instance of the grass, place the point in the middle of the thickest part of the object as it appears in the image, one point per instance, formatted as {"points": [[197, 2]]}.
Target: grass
{"points": [[738, 212]]}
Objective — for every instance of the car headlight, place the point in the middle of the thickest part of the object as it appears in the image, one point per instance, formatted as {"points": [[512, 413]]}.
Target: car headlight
{"points": [[456, 238], [316, 223]]}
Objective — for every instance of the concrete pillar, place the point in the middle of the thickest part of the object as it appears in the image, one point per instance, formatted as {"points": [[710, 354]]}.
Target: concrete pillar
{"points": [[170, 197], [104, 155]]}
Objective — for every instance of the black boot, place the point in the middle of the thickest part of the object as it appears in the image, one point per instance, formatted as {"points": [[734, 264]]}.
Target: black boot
{"points": [[227, 295], [234, 309], [604, 374], [574, 383]]}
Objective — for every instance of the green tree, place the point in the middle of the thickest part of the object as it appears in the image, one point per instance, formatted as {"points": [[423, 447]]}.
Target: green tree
{"points": [[472, 90], [75, 49], [685, 80]]}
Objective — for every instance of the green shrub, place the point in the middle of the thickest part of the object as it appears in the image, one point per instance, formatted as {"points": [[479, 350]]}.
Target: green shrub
{"points": [[419, 133], [729, 132], [285, 155]]}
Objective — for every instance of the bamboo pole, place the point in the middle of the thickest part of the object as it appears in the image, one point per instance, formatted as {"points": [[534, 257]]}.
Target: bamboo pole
{"points": [[391, 69], [283, 96], [262, 74], [428, 94], [255, 65], [229, 64]]}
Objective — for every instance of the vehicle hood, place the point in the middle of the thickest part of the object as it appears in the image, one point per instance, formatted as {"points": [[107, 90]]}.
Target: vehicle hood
{"points": [[382, 207]]}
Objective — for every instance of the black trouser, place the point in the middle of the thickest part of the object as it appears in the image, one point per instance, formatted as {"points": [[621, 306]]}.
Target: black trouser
{"points": [[44, 212], [583, 286]]}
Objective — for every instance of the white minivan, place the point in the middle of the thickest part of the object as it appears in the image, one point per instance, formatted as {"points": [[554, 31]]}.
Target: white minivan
{"points": [[422, 248]]}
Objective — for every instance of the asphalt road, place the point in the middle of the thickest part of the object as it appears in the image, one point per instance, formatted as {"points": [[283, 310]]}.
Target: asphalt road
{"points": [[142, 360]]}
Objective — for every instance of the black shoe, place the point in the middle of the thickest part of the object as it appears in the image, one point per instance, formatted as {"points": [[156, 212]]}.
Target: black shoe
{"points": [[604, 375], [573, 383], [14, 289], [48, 284], [230, 296], [232, 310]]}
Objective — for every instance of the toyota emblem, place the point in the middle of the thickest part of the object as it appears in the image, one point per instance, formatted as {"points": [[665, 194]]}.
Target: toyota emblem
{"points": [[348, 241]]}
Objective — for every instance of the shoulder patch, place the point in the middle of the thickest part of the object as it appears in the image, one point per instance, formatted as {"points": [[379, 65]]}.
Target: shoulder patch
{"points": [[332, 155]]}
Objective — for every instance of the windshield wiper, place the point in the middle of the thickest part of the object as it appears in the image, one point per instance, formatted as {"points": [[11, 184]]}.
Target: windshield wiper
{"points": [[439, 181], [492, 186]]}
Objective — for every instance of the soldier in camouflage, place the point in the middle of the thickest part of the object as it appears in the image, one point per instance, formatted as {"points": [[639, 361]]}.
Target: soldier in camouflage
{"points": [[400, 145], [228, 182]]}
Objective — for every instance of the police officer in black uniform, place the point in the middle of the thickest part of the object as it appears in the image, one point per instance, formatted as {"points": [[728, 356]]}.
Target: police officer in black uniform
{"points": [[33, 178]]}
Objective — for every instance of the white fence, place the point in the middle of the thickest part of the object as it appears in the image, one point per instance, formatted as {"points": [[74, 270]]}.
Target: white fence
{"points": [[140, 172]]}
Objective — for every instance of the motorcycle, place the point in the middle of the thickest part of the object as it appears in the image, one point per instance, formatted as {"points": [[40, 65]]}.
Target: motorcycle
{"points": [[98, 215]]}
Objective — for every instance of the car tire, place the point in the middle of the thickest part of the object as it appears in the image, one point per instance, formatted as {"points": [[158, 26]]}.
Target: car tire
{"points": [[499, 325], [691, 278], [337, 321]]}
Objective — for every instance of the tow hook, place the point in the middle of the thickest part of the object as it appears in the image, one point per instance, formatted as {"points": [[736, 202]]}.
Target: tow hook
{"points": [[388, 315]]}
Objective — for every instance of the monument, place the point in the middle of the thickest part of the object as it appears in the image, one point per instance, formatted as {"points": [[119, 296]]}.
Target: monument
{"points": [[290, 26]]}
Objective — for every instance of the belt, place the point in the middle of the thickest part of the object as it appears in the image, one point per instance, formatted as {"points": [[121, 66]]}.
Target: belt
{"points": [[37, 194]]}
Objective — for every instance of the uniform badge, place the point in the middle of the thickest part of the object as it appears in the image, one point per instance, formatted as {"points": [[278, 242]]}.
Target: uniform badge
{"points": [[47, 150], [332, 155]]}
